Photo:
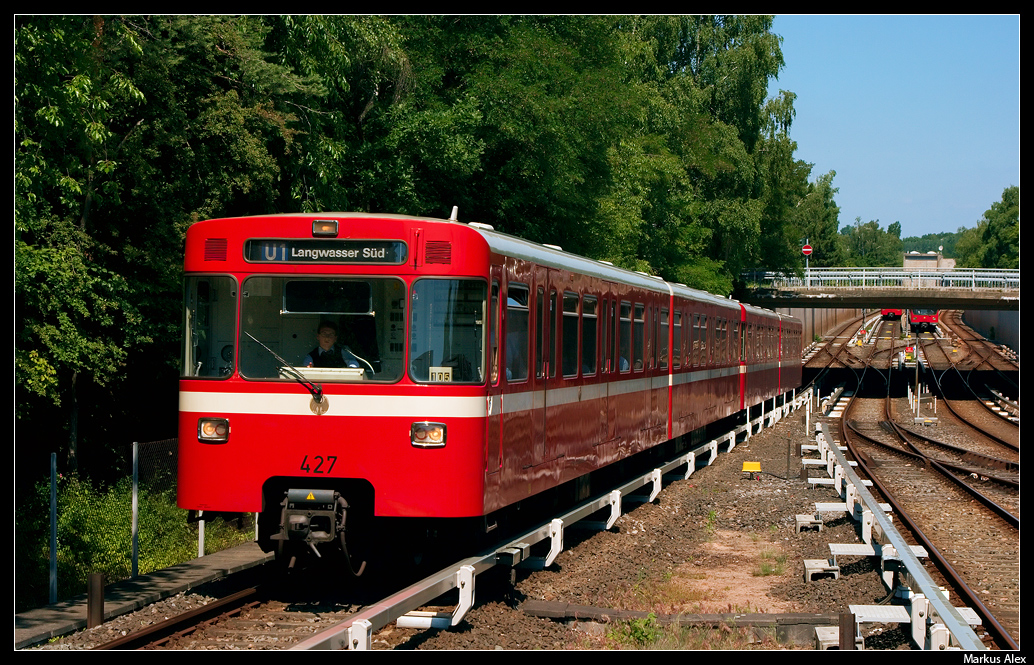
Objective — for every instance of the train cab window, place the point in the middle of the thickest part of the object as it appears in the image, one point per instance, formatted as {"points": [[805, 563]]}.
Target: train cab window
{"points": [[589, 304], [569, 352], [517, 310], [322, 329], [208, 326], [447, 329], [625, 337], [676, 339], [638, 337]]}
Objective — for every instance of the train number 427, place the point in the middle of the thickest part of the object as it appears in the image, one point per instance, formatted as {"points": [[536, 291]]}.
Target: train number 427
{"points": [[318, 464]]}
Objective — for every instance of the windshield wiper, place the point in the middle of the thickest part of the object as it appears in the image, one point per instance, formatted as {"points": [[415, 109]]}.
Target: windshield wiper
{"points": [[314, 388]]}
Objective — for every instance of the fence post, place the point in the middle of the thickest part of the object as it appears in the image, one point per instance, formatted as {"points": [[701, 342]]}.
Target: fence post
{"points": [[53, 528], [136, 505]]}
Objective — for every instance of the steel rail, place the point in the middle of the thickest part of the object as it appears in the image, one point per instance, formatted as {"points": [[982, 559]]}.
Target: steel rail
{"points": [[954, 622], [158, 631], [914, 566]]}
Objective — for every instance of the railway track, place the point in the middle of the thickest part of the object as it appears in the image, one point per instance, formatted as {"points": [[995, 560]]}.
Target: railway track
{"points": [[972, 533]]}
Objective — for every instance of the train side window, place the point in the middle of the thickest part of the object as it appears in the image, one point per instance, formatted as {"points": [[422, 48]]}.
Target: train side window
{"points": [[569, 352], [694, 341], [625, 337], [676, 339], [589, 335], [517, 332], [705, 341], [662, 341], [638, 337], [605, 345], [651, 337], [725, 340]]}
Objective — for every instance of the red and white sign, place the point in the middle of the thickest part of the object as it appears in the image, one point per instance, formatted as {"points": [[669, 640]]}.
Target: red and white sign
{"points": [[806, 249]]}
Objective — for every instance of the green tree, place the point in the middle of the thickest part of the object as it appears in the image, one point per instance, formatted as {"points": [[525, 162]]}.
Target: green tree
{"points": [[1001, 237], [817, 218], [127, 128], [868, 245]]}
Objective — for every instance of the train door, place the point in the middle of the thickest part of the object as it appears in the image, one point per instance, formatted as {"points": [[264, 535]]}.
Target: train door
{"points": [[494, 397], [554, 426], [545, 360]]}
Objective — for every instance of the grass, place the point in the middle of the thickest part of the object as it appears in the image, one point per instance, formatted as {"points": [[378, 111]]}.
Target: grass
{"points": [[772, 563]]}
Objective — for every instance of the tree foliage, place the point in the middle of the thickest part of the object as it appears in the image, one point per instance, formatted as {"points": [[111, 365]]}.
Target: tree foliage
{"points": [[644, 140], [869, 245], [995, 241]]}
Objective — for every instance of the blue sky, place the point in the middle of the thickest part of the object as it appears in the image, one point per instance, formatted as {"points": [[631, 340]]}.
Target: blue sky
{"points": [[918, 115]]}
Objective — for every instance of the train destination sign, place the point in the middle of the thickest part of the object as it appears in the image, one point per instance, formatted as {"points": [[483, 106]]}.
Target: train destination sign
{"points": [[305, 250]]}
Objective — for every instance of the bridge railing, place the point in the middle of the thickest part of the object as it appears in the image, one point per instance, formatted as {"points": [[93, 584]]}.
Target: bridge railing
{"points": [[903, 278]]}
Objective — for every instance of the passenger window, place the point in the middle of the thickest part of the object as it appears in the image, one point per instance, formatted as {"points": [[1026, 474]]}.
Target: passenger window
{"points": [[639, 339], [676, 340], [625, 336], [589, 335], [662, 341], [517, 332], [570, 332]]}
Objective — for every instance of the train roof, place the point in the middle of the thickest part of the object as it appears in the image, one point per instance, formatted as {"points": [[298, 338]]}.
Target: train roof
{"points": [[550, 255]]}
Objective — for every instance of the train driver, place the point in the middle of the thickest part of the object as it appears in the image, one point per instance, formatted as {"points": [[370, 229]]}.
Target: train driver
{"points": [[328, 353]]}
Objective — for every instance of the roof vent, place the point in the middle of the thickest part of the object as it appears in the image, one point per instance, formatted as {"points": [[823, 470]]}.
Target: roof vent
{"points": [[438, 251], [215, 249]]}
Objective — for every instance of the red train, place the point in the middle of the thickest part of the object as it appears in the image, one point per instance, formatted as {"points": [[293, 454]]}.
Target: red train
{"points": [[922, 319], [471, 371], [891, 314]]}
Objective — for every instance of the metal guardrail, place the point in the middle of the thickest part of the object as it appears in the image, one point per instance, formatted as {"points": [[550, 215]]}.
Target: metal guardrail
{"points": [[920, 582], [903, 278], [356, 633]]}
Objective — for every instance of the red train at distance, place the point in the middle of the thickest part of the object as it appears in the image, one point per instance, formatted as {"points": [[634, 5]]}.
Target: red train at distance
{"points": [[468, 371], [922, 319], [891, 314]]}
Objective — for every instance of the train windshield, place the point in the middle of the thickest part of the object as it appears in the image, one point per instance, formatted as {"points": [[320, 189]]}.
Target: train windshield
{"points": [[322, 329], [447, 331], [924, 312], [208, 326]]}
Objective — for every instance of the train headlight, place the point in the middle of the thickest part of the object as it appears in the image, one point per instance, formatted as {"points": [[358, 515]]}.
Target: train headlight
{"points": [[427, 435], [213, 430]]}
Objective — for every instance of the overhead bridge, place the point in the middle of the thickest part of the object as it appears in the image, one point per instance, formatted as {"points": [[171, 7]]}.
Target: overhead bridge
{"points": [[891, 288]]}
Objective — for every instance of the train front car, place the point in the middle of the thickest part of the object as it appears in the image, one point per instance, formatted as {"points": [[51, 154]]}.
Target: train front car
{"points": [[922, 320], [333, 372], [890, 314]]}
